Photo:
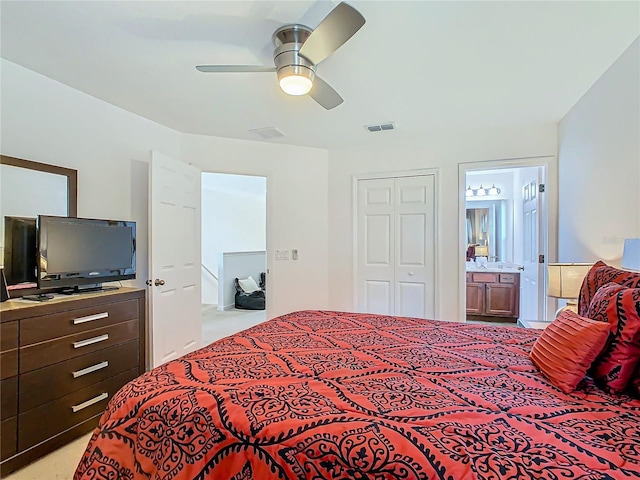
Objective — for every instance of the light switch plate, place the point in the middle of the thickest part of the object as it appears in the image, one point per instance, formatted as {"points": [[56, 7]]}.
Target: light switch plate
{"points": [[282, 255]]}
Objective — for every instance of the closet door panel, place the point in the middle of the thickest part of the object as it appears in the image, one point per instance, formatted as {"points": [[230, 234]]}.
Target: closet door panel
{"points": [[415, 242], [375, 245]]}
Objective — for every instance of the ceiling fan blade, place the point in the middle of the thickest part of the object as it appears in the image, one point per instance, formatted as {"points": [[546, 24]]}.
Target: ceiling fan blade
{"points": [[332, 32], [324, 94], [234, 68]]}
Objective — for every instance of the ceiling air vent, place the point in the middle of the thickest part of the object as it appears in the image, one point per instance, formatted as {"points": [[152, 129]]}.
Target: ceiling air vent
{"points": [[268, 132], [380, 127]]}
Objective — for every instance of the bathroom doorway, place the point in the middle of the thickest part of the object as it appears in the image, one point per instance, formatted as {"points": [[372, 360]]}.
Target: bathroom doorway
{"points": [[504, 240]]}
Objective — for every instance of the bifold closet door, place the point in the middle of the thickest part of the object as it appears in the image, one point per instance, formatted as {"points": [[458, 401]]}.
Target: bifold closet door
{"points": [[395, 242]]}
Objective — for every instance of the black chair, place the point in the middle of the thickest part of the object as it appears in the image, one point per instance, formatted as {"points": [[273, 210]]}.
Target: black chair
{"points": [[251, 301]]}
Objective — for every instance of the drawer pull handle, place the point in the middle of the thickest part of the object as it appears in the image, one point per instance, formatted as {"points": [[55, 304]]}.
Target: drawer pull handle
{"points": [[88, 403], [89, 318], [91, 369], [91, 341]]}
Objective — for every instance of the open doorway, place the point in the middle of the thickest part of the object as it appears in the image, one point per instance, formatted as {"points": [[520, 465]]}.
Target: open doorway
{"points": [[234, 223], [504, 241]]}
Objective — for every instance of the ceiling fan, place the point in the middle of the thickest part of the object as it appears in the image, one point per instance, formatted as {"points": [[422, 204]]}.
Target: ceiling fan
{"points": [[299, 49]]}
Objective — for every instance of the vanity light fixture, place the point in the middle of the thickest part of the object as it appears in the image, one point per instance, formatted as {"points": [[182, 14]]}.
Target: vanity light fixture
{"points": [[482, 192]]}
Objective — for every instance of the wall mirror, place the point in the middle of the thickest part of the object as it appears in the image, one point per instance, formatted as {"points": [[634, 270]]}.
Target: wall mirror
{"points": [[29, 189], [490, 223]]}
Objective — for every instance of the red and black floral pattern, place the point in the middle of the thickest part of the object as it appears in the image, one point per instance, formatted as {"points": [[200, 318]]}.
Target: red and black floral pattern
{"points": [[330, 395], [599, 275]]}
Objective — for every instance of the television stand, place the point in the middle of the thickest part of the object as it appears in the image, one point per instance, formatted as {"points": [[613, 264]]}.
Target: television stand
{"points": [[41, 297], [88, 289]]}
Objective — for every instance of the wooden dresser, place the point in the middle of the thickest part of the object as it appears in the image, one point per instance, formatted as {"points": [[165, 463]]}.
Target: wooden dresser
{"points": [[61, 361]]}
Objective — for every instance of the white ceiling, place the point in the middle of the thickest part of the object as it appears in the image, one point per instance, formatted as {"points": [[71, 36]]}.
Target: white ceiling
{"points": [[427, 66]]}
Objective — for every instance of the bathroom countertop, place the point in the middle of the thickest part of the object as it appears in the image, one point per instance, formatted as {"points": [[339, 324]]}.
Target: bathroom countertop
{"points": [[492, 269]]}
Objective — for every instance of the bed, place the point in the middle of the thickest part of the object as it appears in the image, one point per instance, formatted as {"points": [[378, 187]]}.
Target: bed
{"points": [[336, 395]]}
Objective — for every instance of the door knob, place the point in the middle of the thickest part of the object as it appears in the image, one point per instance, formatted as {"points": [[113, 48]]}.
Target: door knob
{"points": [[521, 268], [158, 282], [411, 274]]}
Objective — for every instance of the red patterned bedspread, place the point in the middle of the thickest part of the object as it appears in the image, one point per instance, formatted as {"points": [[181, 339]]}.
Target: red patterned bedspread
{"points": [[316, 394]]}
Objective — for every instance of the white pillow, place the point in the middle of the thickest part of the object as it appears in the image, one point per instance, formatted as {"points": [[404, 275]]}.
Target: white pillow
{"points": [[248, 284]]}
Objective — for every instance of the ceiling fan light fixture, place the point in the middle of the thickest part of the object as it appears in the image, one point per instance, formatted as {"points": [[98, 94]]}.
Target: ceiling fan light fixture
{"points": [[295, 79], [296, 85]]}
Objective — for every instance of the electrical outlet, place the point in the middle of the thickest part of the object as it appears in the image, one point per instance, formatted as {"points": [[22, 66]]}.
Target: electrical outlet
{"points": [[294, 254]]}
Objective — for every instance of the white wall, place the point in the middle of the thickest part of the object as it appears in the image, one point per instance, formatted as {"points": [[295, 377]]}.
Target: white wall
{"points": [[599, 166], [234, 218], [48, 122], [444, 151], [297, 216]]}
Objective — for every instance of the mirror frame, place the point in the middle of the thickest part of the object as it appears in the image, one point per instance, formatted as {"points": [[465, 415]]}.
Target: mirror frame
{"points": [[72, 201], [71, 174]]}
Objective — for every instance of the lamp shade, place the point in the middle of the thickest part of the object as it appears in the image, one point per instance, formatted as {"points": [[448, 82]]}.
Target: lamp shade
{"points": [[631, 254], [565, 279], [482, 251]]}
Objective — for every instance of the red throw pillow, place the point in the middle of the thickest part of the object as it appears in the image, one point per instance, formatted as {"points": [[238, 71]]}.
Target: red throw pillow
{"points": [[599, 303], [601, 274], [634, 385], [566, 348], [616, 366]]}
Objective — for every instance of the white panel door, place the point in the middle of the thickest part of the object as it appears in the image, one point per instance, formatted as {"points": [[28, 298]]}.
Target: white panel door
{"points": [[174, 264], [415, 242], [395, 246], [531, 307], [376, 246]]}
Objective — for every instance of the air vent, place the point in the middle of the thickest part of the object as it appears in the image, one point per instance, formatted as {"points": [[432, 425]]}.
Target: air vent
{"points": [[268, 132], [380, 127]]}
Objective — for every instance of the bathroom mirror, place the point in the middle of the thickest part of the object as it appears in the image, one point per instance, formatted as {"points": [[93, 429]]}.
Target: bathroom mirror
{"points": [[490, 223], [29, 189]]}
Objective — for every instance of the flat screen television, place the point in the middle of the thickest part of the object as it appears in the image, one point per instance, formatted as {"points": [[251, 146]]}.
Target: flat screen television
{"points": [[82, 253], [20, 250]]}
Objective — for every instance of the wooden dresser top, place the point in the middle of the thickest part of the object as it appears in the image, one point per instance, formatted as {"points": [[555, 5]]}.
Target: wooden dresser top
{"points": [[16, 308]]}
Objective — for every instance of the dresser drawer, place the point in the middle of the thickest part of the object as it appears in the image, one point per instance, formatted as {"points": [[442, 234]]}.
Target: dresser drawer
{"points": [[8, 364], [485, 277], [8, 442], [46, 384], [8, 336], [508, 277], [54, 417], [8, 349], [70, 322], [44, 354], [9, 394]]}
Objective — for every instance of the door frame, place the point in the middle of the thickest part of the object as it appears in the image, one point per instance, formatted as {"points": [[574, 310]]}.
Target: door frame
{"points": [[268, 298], [435, 172], [550, 227]]}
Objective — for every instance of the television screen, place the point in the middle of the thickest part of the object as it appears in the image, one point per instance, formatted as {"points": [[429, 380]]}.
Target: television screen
{"points": [[82, 251], [20, 250]]}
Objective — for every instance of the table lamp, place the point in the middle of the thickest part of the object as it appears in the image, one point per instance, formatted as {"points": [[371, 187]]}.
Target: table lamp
{"points": [[565, 280]]}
